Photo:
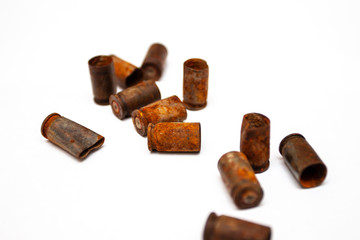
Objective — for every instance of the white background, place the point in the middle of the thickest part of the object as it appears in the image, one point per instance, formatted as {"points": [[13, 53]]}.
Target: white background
{"points": [[296, 62]]}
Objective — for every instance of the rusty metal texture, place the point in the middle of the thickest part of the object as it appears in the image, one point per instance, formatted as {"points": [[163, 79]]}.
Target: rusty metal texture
{"points": [[126, 74], [153, 64], [102, 73], [174, 137], [229, 228], [255, 140], [302, 160], [240, 180], [195, 85], [74, 138], [137, 96], [170, 109]]}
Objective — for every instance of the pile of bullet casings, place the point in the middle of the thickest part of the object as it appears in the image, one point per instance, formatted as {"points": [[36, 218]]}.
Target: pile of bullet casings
{"points": [[161, 120]]}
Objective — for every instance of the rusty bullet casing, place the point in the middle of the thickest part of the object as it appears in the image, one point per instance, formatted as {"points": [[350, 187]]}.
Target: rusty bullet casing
{"points": [[302, 160], [153, 64], [195, 87], [170, 109], [240, 180], [229, 228], [74, 138], [255, 140], [174, 137], [126, 74], [102, 73], [126, 101]]}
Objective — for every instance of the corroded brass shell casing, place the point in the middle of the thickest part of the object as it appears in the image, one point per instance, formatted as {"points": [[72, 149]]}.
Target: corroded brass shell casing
{"points": [[302, 160], [125, 73], [174, 137], [102, 74], [125, 102], [240, 180], [170, 109], [153, 64], [74, 138], [195, 86], [255, 140], [229, 228]]}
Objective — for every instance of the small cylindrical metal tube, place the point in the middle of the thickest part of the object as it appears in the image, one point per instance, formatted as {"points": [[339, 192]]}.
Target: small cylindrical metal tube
{"points": [[174, 137], [137, 96], [229, 228], [102, 73], [153, 64], [170, 109], [74, 138], [240, 180], [195, 85], [126, 74], [255, 140], [302, 160]]}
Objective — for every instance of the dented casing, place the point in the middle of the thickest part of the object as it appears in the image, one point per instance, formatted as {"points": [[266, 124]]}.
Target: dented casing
{"points": [[170, 109], [240, 180], [74, 138], [137, 96], [174, 137]]}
